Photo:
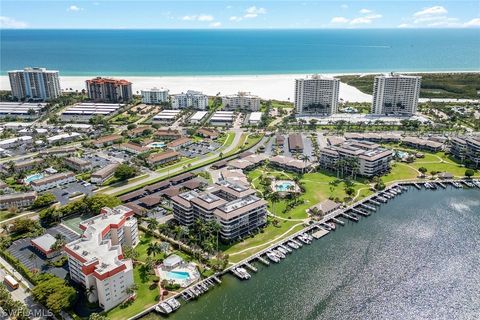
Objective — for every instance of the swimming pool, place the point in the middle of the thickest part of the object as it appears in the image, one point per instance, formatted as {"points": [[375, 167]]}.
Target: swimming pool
{"points": [[284, 186], [178, 275], [33, 177], [401, 154], [156, 145]]}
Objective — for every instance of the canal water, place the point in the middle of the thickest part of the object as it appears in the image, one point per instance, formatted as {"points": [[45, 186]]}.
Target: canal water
{"points": [[417, 257]]}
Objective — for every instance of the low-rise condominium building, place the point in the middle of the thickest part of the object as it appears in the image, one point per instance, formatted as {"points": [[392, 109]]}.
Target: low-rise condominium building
{"points": [[242, 101], [105, 173], [53, 181], [155, 96], [190, 99], [17, 200]]}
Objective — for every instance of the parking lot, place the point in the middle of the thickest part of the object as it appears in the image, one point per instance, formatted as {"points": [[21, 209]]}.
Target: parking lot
{"points": [[32, 259], [199, 149], [96, 161], [65, 192]]}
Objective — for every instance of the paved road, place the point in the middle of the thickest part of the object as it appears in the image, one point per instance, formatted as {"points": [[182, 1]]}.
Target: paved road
{"points": [[156, 175]]}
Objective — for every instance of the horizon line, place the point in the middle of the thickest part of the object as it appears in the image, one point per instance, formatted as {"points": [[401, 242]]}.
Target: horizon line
{"points": [[246, 28]]}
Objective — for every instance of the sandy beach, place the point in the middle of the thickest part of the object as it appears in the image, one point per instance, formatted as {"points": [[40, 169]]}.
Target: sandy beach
{"points": [[278, 87]]}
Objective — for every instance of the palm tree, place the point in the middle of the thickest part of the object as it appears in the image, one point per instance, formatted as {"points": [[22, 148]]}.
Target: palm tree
{"points": [[152, 224], [89, 291], [32, 257], [274, 197], [153, 249]]}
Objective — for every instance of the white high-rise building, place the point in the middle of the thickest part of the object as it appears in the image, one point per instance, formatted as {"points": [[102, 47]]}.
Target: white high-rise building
{"points": [[155, 96], [243, 101], [37, 84], [396, 94], [191, 99], [96, 260], [316, 95]]}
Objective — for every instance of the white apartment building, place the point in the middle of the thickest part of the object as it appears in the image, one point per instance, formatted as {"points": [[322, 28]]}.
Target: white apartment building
{"points": [[53, 181], [243, 101], [316, 95], [96, 259], [38, 84], [155, 95], [396, 94], [191, 99]]}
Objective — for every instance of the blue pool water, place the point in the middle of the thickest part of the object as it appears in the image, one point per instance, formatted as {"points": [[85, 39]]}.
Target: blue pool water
{"points": [[284, 186], [33, 177], [156, 145], [179, 275], [401, 154]]}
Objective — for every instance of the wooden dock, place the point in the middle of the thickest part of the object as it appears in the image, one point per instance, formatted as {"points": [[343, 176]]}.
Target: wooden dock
{"points": [[320, 233]]}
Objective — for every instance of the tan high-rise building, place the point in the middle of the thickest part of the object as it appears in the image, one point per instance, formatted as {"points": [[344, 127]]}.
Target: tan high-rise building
{"points": [[316, 95], [396, 94], [109, 90]]}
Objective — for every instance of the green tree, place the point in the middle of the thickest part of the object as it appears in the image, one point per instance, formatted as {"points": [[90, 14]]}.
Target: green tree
{"points": [[55, 294], [422, 170], [44, 200], [469, 173], [100, 200], [124, 172], [96, 316]]}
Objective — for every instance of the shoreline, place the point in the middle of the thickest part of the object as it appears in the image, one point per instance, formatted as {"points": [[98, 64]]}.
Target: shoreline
{"points": [[268, 86]]}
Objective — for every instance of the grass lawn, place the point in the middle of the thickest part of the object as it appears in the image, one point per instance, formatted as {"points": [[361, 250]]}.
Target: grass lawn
{"points": [[4, 215], [400, 171]]}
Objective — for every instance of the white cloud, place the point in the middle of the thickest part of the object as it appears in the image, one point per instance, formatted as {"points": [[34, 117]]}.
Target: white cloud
{"points": [[365, 11], [201, 17], [404, 25], [435, 10], [235, 18], [11, 23], [74, 8], [344, 6], [473, 23], [205, 17], [361, 20], [253, 12], [339, 20], [215, 24]]}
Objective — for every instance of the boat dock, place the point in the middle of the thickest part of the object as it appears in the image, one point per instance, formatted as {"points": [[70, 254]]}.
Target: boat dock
{"points": [[249, 266], [320, 233], [338, 221]]}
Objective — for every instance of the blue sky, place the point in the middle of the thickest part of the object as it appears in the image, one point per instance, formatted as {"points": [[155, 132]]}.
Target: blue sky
{"points": [[118, 14]]}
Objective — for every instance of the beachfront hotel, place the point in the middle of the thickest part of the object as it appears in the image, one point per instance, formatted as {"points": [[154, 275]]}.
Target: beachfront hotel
{"points": [[38, 84], [234, 206], [396, 94], [96, 259], [369, 158], [316, 95], [155, 96], [243, 101], [191, 99], [109, 90], [466, 149]]}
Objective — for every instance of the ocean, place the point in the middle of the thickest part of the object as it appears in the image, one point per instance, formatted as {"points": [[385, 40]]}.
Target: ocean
{"points": [[239, 52], [416, 257]]}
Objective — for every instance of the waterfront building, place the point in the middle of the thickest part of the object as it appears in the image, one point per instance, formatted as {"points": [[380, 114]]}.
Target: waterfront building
{"points": [[17, 200], [190, 99], [96, 259], [361, 157], [242, 101], [466, 149], [105, 173], [316, 95], [109, 90], [234, 206], [83, 112], [396, 94], [53, 181], [155, 96], [38, 84]]}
